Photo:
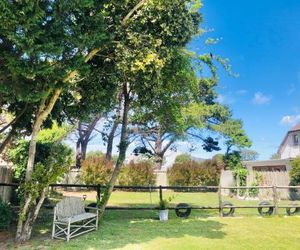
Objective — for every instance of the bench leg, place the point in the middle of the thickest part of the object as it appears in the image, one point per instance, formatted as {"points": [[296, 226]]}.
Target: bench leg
{"points": [[68, 231], [53, 230], [97, 220], [54, 226]]}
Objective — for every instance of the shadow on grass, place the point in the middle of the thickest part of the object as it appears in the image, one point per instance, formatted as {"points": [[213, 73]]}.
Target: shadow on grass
{"points": [[121, 228]]}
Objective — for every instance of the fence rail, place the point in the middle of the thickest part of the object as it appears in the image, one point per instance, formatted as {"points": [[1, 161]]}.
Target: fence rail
{"points": [[275, 200]]}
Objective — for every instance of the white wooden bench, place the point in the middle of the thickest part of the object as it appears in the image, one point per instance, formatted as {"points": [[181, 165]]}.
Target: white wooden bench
{"points": [[70, 219]]}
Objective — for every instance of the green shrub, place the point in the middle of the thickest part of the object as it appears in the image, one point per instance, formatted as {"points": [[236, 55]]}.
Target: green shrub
{"points": [[183, 158], [253, 192], [137, 174], [44, 154], [52, 160], [233, 160], [295, 179], [5, 215], [240, 176], [192, 173], [96, 170], [295, 172], [180, 174]]}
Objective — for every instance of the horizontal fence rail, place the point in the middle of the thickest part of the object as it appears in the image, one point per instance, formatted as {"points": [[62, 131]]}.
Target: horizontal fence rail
{"points": [[275, 200]]}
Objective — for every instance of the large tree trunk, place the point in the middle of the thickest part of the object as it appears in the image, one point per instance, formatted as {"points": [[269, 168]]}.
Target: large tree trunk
{"points": [[84, 145], [110, 140], [111, 136], [15, 120], [122, 154], [78, 154], [7, 140], [83, 139], [28, 215], [11, 133], [158, 161], [160, 149]]}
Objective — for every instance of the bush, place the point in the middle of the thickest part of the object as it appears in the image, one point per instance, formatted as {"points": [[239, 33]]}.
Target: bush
{"points": [[183, 158], [6, 215], [295, 172], [193, 173], [44, 154], [295, 179], [52, 160], [96, 170], [137, 174]]}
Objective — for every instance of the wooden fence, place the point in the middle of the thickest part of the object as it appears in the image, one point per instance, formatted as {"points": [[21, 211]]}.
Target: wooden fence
{"points": [[273, 204], [5, 177]]}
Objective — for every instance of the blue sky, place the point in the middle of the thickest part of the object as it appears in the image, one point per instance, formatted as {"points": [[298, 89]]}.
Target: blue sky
{"points": [[262, 41]]}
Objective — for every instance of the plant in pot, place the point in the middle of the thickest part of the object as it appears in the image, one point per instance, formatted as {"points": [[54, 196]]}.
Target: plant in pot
{"points": [[163, 209]]}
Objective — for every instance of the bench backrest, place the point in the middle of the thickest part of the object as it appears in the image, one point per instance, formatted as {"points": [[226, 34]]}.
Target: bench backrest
{"points": [[69, 206]]}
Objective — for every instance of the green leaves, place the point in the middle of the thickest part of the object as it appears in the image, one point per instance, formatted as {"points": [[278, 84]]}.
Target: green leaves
{"points": [[295, 172], [52, 159]]}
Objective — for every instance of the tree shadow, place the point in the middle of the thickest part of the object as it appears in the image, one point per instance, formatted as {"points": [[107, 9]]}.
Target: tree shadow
{"points": [[120, 228], [137, 227]]}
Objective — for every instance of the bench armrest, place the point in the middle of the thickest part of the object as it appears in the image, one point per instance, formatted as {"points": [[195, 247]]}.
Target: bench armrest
{"points": [[92, 208]]}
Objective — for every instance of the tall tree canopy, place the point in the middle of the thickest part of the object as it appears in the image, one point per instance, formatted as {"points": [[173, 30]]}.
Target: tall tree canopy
{"points": [[45, 49]]}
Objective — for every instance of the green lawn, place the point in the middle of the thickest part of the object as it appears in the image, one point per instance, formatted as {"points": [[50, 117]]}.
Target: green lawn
{"points": [[202, 230]]}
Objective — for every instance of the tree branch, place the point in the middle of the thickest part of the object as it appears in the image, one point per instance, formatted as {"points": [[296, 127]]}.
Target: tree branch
{"points": [[130, 13], [167, 146], [14, 120]]}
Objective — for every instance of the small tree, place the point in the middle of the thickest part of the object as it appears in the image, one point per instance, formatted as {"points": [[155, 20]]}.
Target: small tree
{"points": [[183, 158], [96, 170], [53, 159], [138, 174], [249, 155]]}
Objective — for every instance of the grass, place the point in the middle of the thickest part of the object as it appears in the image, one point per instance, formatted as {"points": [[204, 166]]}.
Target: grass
{"points": [[202, 230]]}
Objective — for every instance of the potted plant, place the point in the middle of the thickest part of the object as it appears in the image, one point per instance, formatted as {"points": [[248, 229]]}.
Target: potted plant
{"points": [[163, 209]]}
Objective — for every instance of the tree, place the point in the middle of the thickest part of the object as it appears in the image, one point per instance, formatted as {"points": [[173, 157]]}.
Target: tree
{"points": [[183, 158], [185, 104], [234, 134], [85, 131], [45, 50], [249, 155], [54, 159], [157, 30]]}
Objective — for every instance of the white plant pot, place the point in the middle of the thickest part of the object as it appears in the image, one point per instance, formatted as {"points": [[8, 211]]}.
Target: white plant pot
{"points": [[163, 215]]}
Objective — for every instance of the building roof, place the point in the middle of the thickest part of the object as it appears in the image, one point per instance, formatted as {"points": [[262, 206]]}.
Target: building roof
{"points": [[295, 128], [267, 162]]}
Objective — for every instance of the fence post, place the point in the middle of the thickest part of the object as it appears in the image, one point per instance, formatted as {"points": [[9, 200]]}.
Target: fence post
{"points": [[98, 193], [220, 200], [275, 199], [160, 193]]}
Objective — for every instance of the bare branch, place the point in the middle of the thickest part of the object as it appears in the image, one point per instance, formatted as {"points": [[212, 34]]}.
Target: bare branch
{"points": [[14, 120], [166, 147]]}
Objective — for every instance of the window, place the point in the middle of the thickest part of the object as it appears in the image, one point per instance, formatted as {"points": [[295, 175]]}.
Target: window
{"points": [[296, 140]]}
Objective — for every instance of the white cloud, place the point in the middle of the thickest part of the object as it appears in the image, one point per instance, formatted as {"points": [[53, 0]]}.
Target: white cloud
{"points": [[226, 99], [260, 99], [290, 119]]}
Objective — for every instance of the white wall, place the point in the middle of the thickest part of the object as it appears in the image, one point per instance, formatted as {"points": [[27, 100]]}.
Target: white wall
{"points": [[289, 149]]}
